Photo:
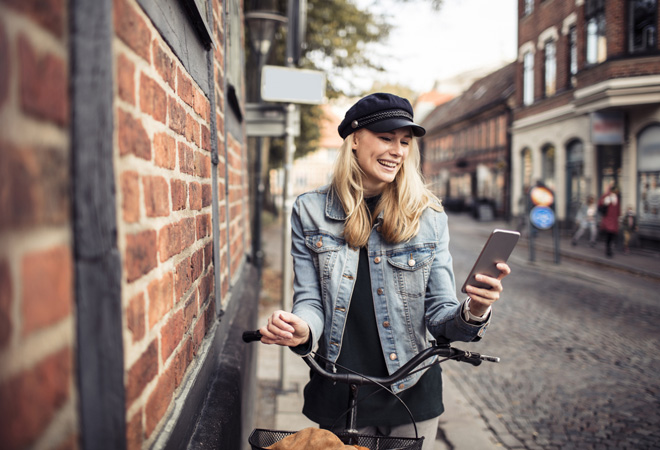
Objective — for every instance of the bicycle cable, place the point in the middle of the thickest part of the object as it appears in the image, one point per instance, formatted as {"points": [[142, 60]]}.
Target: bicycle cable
{"points": [[358, 401]]}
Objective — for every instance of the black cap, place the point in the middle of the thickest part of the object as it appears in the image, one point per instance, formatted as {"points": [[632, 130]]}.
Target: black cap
{"points": [[379, 112]]}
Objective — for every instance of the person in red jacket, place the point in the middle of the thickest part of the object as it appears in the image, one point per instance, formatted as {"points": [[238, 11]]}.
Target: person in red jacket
{"points": [[609, 205]]}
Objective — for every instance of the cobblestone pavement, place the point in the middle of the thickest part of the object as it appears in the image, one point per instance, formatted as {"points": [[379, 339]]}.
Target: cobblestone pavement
{"points": [[579, 349]]}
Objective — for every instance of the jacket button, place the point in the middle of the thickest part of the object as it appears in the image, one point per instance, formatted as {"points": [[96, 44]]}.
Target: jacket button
{"points": [[319, 244], [379, 291], [378, 229], [377, 259], [386, 324], [392, 356], [401, 386]]}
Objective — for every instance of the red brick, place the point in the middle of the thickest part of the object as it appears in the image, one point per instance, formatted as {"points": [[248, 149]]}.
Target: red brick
{"points": [[195, 196], [126, 79], [197, 264], [156, 196], [164, 151], [133, 138], [132, 29], [201, 105], [182, 279], [44, 89], [31, 399], [140, 254], [47, 280], [164, 65], [135, 432], [171, 334], [50, 14], [130, 193], [198, 334], [6, 294], [207, 195], [190, 310], [34, 187], [153, 99], [160, 298], [206, 287], [177, 116], [185, 88], [202, 165], [187, 227], [206, 138], [179, 194], [142, 372], [169, 241], [203, 225], [186, 159], [208, 254], [135, 317], [192, 130], [5, 67]]}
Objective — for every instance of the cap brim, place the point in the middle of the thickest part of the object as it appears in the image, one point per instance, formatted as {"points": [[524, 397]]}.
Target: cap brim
{"points": [[396, 122]]}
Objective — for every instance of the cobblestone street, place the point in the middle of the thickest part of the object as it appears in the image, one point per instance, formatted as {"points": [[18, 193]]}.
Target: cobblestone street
{"points": [[579, 355]]}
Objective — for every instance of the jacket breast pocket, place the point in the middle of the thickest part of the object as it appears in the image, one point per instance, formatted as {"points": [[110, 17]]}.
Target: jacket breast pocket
{"points": [[325, 249], [411, 271]]}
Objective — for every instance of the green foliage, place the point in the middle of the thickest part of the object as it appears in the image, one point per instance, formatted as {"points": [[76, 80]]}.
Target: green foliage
{"points": [[338, 38]]}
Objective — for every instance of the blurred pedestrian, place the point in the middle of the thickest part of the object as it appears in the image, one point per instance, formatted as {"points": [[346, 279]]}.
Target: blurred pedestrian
{"points": [[609, 206], [586, 219], [374, 278], [629, 222]]}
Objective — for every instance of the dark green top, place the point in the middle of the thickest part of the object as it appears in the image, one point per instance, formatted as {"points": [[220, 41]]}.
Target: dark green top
{"points": [[361, 351]]}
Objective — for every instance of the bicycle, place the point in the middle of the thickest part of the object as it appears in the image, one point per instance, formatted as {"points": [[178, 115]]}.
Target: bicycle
{"points": [[261, 438]]}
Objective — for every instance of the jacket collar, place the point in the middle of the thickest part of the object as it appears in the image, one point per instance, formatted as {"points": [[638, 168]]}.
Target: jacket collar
{"points": [[333, 207]]}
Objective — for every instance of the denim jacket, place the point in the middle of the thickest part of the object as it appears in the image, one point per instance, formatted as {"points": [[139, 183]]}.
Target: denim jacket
{"points": [[412, 283]]}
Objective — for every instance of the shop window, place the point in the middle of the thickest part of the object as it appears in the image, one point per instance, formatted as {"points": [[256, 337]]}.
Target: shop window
{"points": [[642, 28], [550, 74], [548, 166], [528, 78], [576, 183], [595, 26], [648, 175]]}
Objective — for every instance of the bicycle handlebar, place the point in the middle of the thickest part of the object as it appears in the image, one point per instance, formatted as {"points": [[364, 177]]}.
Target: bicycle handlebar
{"points": [[445, 351]]}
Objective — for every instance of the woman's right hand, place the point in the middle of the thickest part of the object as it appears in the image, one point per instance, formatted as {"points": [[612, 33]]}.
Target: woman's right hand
{"points": [[286, 329]]}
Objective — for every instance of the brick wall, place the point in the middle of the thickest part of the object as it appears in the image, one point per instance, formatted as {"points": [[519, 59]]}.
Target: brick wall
{"points": [[164, 201], [164, 174], [37, 327]]}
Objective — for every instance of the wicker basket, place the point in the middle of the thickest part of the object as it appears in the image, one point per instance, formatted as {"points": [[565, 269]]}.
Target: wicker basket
{"points": [[259, 439]]}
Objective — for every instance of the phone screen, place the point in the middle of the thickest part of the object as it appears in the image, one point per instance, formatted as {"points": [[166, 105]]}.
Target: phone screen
{"points": [[497, 249]]}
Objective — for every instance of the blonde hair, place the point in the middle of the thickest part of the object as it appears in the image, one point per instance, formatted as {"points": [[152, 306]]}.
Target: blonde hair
{"points": [[403, 201]]}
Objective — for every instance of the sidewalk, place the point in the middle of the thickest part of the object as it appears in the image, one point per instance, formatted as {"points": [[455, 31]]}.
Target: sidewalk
{"points": [[461, 426]]}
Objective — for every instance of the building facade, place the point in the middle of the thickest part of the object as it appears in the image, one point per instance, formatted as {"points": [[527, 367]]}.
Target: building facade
{"points": [[123, 222], [588, 105], [465, 152]]}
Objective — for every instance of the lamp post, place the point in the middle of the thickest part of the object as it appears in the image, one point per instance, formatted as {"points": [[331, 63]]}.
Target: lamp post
{"points": [[262, 27]]}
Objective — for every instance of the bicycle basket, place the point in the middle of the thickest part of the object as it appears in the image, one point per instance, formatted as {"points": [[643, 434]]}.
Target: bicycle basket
{"points": [[259, 439]]}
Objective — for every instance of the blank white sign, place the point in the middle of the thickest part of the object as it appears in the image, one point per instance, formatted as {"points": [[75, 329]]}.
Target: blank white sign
{"points": [[289, 85]]}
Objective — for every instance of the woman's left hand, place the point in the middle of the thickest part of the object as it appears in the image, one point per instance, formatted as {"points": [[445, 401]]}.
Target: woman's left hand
{"points": [[482, 299]]}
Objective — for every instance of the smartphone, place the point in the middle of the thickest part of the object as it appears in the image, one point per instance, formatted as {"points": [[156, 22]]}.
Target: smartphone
{"points": [[498, 247]]}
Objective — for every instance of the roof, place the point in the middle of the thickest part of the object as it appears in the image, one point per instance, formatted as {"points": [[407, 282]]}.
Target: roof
{"points": [[488, 91]]}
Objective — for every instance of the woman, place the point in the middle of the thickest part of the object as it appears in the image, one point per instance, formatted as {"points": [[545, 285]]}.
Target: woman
{"points": [[610, 206], [586, 218], [373, 275]]}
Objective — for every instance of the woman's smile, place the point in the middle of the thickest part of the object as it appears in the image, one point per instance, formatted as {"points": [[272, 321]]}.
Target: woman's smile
{"points": [[380, 156]]}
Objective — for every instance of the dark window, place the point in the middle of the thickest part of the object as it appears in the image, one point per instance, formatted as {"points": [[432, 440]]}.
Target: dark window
{"points": [[596, 39], [642, 29], [572, 55], [529, 7]]}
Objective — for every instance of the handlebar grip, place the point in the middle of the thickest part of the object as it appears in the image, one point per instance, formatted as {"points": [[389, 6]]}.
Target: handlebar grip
{"points": [[251, 336]]}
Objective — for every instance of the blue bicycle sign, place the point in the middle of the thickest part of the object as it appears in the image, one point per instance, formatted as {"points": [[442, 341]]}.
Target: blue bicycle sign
{"points": [[542, 217]]}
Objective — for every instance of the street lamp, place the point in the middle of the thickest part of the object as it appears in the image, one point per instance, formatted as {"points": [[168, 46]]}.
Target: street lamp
{"points": [[262, 26]]}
